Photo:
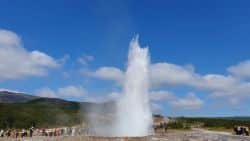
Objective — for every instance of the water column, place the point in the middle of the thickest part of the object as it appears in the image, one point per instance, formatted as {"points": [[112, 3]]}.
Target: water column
{"points": [[134, 117]]}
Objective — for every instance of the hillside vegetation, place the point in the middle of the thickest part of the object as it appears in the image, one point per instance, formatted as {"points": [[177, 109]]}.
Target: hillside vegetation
{"points": [[40, 112], [211, 123], [49, 112]]}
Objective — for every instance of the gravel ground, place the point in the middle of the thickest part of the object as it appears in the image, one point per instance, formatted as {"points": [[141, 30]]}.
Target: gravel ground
{"points": [[200, 135], [193, 135]]}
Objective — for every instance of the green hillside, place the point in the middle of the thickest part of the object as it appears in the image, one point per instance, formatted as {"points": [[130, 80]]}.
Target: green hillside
{"points": [[49, 112], [41, 113]]}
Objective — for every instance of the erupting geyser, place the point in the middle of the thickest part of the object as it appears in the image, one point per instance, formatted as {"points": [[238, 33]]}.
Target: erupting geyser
{"points": [[134, 117]]}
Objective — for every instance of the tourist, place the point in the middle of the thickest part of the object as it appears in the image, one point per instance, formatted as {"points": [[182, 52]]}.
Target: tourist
{"points": [[62, 131], [13, 133], [1, 133], [44, 132], [17, 134], [247, 131], [73, 132], [24, 133], [36, 132], [8, 133], [31, 131]]}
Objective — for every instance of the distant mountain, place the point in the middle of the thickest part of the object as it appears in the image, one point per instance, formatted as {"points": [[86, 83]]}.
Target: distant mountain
{"points": [[15, 97]]}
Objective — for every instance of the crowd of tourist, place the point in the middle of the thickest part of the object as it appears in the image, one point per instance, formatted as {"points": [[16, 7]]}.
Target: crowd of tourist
{"points": [[21, 133]]}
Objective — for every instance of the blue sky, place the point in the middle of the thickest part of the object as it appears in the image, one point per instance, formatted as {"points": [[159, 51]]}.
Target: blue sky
{"points": [[200, 42]]}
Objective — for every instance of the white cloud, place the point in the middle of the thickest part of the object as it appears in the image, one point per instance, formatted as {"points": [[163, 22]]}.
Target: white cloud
{"points": [[161, 96], [64, 59], [156, 108], [103, 98], [109, 73], [17, 62], [165, 73], [46, 92], [190, 102], [215, 82], [217, 85], [64, 92], [235, 94], [242, 69], [160, 73], [85, 59], [72, 91], [8, 38], [171, 74]]}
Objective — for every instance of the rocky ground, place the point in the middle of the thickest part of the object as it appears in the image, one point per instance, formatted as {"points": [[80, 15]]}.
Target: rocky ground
{"points": [[200, 135], [192, 135]]}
